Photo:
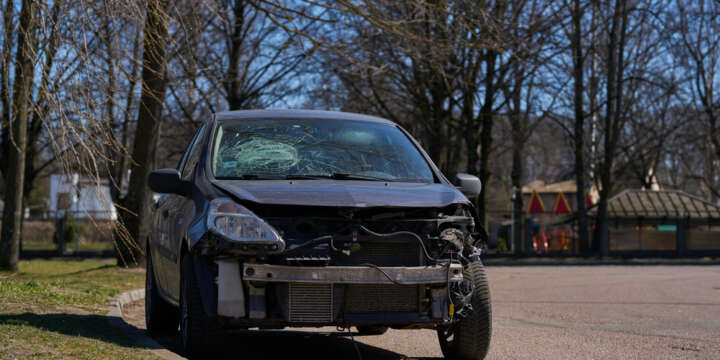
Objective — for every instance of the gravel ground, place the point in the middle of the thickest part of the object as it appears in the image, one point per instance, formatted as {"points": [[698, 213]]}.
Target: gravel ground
{"points": [[567, 312]]}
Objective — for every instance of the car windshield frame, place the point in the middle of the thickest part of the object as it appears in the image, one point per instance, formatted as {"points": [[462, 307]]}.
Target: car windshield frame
{"points": [[213, 146]]}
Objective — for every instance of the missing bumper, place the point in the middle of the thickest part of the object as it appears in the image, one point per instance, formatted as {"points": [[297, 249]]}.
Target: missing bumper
{"points": [[438, 274]]}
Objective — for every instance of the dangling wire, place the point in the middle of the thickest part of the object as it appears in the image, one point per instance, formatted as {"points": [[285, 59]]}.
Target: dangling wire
{"points": [[357, 349]]}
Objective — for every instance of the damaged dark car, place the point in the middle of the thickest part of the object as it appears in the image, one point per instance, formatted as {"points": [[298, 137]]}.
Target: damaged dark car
{"points": [[299, 218]]}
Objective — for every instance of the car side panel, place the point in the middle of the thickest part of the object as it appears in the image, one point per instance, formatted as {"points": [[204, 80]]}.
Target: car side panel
{"points": [[183, 212], [159, 242]]}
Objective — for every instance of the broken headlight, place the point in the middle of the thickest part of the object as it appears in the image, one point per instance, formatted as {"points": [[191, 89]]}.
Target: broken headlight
{"points": [[454, 237], [236, 223]]}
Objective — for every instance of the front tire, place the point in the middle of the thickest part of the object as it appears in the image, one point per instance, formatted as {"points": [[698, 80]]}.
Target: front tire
{"points": [[469, 338], [194, 323], [372, 330], [161, 317]]}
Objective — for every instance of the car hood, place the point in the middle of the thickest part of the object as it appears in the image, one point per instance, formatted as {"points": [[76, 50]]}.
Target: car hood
{"points": [[342, 193]]}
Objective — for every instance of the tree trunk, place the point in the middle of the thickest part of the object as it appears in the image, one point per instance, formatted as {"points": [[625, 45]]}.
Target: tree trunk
{"points": [[137, 202], [486, 121], [613, 123], [120, 168], [5, 101], [235, 97], [24, 76], [485, 144], [579, 129], [712, 120], [516, 178]]}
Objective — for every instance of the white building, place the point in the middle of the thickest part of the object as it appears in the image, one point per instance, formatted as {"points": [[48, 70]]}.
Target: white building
{"points": [[83, 197]]}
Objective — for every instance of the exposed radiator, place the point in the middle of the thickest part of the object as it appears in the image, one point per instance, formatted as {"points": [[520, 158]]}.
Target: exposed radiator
{"points": [[381, 298], [385, 254], [310, 303]]}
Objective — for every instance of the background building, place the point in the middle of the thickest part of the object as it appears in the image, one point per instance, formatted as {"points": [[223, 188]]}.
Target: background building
{"points": [[81, 196], [662, 222]]}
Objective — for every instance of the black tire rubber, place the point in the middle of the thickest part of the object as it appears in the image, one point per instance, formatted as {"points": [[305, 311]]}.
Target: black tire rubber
{"points": [[372, 330], [471, 335], [194, 323], [161, 317]]}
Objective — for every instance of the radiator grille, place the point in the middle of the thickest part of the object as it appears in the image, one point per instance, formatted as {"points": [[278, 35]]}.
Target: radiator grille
{"points": [[381, 298], [310, 303]]}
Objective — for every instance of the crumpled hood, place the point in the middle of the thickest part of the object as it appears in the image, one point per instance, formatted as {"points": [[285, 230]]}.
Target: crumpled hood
{"points": [[342, 193]]}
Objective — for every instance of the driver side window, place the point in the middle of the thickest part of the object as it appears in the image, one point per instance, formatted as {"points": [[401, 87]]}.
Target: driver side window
{"points": [[192, 155]]}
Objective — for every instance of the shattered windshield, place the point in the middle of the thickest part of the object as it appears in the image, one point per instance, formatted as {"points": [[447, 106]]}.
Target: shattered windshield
{"points": [[316, 148]]}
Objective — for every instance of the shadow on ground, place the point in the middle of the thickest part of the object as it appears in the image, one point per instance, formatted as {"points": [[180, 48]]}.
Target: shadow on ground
{"points": [[249, 345], [287, 344], [89, 326]]}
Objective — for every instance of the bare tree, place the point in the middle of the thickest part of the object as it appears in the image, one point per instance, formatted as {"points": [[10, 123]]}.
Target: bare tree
{"points": [[697, 51], [578, 56], [633, 71], [530, 56], [135, 212], [18, 122]]}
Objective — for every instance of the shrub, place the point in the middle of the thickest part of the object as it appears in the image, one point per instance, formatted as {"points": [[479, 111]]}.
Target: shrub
{"points": [[72, 230], [502, 245]]}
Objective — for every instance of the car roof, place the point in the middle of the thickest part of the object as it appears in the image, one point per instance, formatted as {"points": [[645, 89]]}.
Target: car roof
{"points": [[297, 114]]}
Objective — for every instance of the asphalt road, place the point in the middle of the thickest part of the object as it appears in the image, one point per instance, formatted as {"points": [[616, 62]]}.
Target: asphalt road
{"points": [[573, 312]]}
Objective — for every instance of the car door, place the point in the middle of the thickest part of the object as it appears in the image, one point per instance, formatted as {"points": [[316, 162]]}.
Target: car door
{"points": [[180, 210], [160, 241], [156, 235]]}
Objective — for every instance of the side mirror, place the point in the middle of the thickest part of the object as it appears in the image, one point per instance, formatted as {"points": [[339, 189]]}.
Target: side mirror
{"points": [[167, 181], [468, 184]]}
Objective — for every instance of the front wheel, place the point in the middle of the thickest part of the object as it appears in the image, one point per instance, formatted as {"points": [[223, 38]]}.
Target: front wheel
{"points": [[161, 317], [372, 330], [469, 338], [194, 323]]}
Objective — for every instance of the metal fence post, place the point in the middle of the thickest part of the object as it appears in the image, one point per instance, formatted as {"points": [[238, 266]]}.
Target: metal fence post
{"points": [[681, 237]]}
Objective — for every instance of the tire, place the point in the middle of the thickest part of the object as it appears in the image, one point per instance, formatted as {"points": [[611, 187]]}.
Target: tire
{"points": [[194, 323], [372, 330], [161, 317], [469, 338]]}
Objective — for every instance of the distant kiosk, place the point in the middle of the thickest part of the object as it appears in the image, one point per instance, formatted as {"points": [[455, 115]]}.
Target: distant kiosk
{"points": [[548, 216], [81, 196]]}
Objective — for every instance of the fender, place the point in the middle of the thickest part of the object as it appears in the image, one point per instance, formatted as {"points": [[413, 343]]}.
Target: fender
{"points": [[205, 274]]}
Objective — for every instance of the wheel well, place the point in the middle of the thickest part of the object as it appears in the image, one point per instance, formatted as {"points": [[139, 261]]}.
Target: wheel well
{"points": [[205, 277], [184, 250]]}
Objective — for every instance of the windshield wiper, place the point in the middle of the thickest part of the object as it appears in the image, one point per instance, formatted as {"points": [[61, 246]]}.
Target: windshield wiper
{"points": [[345, 176], [307, 177], [259, 177], [336, 176]]}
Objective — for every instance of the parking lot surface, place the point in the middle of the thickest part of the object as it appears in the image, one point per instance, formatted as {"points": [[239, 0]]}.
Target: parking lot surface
{"points": [[544, 312]]}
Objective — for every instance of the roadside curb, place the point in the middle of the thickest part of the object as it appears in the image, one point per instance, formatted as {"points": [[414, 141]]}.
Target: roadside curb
{"points": [[115, 319]]}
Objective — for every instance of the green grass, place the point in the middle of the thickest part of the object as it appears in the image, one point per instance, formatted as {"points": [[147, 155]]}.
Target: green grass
{"points": [[56, 309], [89, 246]]}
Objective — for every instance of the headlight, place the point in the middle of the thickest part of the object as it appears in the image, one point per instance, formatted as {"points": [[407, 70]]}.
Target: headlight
{"points": [[237, 223]]}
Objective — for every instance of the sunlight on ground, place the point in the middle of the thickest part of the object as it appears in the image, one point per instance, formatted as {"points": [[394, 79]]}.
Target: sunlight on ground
{"points": [[56, 309]]}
